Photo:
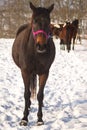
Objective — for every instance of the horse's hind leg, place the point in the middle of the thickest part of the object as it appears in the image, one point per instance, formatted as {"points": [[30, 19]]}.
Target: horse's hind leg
{"points": [[27, 95], [40, 96]]}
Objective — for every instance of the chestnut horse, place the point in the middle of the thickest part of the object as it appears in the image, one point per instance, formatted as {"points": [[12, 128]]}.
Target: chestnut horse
{"points": [[55, 30], [33, 52], [65, 37], [68, 33]]}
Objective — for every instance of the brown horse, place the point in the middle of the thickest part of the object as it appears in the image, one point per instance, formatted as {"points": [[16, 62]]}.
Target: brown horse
{"points": [[55, 30], [67, 33], [65, 37], [62, 32], [74, 27], [33, 52]]}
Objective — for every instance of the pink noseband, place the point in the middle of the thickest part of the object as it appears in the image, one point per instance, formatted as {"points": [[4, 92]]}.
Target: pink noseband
{"points": [[40, 31]]}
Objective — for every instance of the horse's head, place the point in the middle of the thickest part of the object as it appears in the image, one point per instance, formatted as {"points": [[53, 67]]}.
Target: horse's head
{"points": [[40, 26], [75, 23]]}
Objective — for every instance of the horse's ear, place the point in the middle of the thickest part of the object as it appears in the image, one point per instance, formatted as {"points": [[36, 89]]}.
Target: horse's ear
{"points": [[32, 6], [51, 8]]}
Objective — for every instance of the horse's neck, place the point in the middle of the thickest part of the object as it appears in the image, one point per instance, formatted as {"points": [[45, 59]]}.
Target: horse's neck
{"points": [[75, 24], [30, 39], [28, 32]]}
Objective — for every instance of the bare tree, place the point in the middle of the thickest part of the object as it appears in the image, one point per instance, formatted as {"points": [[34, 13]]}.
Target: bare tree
{"points": [[13, 13]]}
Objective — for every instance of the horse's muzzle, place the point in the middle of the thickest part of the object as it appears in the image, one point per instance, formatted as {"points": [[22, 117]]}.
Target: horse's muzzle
{"points": [[41, 43], [41, 48]]}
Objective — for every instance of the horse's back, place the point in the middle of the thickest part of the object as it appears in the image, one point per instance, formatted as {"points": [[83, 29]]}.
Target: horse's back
{"points": [[21, 28]]}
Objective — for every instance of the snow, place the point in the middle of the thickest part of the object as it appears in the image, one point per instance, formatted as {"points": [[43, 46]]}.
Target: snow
{"points": [[65, 95]]}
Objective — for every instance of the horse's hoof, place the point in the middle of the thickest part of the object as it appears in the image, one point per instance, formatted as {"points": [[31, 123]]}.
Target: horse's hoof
{"points": [[40, 123], [23, 123]]}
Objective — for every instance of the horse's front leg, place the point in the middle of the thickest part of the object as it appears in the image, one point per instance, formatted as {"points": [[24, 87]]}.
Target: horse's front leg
{"points": [[73, 43], [27, 95], [62, 45], [40, 96]]}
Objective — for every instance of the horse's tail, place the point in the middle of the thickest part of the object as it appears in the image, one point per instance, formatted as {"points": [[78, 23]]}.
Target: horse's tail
{"points": [[33, 85]]}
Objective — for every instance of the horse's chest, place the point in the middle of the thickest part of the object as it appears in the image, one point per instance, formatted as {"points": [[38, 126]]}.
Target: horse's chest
{"points": [[41, 66]]}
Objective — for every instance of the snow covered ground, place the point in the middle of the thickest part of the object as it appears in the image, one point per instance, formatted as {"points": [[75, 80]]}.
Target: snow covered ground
{"points": [[65, 100]]}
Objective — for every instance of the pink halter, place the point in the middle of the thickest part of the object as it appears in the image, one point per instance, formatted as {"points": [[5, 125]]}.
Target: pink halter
{"points": [[40, 31]]}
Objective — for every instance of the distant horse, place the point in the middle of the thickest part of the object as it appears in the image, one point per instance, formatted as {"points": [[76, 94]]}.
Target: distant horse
{"points": [[33, 52], [63, 33], [65, 37], [55, 29], [74, 27], [67, 33]]}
